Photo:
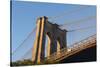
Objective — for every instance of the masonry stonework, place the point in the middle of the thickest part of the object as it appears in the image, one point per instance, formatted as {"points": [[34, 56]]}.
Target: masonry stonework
{"points": [[56, 39]]}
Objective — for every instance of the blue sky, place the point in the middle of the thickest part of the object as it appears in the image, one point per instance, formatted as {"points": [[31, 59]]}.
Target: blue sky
{"points": [[24, 15]]}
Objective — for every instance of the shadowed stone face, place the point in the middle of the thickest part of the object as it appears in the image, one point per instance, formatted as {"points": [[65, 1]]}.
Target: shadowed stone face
{"points": [[56, 39]]}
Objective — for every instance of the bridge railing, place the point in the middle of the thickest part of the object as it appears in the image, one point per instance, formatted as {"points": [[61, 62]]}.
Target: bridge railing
{"points": [[74, 48]]}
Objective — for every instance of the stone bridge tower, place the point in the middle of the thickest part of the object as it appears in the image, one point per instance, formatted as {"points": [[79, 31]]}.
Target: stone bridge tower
{"points": [[56, 39]]}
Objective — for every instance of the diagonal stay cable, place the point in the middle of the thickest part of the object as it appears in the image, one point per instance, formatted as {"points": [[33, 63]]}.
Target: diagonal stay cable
{"points": [[82, 28], [70, 12], [79, 21], [27, 53], [23, 41]]}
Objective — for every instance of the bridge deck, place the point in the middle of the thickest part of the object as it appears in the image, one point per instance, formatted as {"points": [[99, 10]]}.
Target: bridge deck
{"points": [[85, 55], [66, 52]]}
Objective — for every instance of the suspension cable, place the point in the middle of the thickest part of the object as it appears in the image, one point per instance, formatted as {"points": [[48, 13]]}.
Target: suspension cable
{"points": [[82, 29], [23, 41], [67, 13], [79, 21]]}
